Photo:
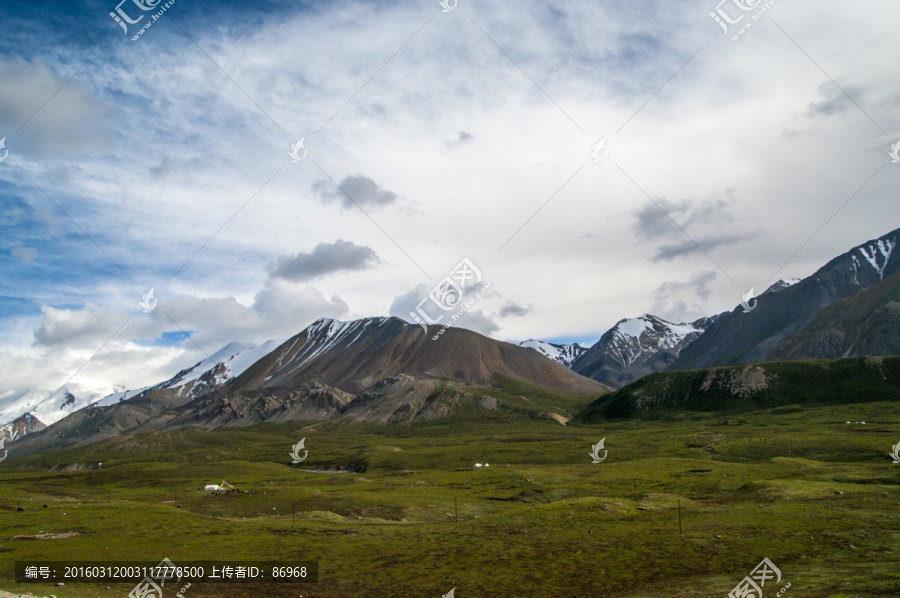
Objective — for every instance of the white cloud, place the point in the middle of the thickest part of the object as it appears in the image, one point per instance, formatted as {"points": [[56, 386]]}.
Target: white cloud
{"points": [[684, 301], [26, 254], [124, 342], [67, 127]]}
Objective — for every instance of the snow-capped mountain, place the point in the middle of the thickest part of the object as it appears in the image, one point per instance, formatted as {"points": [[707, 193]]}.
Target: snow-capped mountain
{"points": [[564, 354], [353, 356], [866, 323], [49, 407], [21, 426], [636, 347], [322, 347], [224, 365], [46, 405], [374, 370], [322, 336], [740, 337]]}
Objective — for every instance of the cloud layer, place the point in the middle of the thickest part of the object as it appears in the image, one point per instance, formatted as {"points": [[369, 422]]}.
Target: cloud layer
{"points": [[431, 137]]}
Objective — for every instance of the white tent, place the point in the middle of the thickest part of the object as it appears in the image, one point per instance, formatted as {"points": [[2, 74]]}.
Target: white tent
{"points": [[217, 487]]}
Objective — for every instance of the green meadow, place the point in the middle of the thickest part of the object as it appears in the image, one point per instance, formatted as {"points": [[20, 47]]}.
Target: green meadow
{"points": [[681, 507]]}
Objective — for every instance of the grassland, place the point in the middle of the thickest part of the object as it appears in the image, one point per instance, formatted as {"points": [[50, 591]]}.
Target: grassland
{"points": [[818, 497]]}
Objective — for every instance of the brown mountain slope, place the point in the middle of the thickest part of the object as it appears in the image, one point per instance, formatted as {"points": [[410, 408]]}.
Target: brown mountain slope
{"points": [[95, 423], [353, 356]]}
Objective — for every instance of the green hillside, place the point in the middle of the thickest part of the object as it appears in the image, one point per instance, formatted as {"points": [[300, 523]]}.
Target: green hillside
{"points": [[740, 389]]}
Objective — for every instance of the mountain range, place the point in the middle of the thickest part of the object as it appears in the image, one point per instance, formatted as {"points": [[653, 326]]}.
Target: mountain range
{"points": [[739, 337], [44, 406], [866, 323], [378, 370], [386, 370]]}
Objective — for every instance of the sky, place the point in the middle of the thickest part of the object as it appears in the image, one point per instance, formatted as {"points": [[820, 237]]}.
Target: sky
{"points": [[262, 165]]}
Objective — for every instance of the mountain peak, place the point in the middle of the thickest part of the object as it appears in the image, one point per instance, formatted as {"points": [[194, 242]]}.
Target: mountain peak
{"points": [[352, 356], [373, 369], [565, 354], [741, 337], [635, 347], [331, 326], [21, 426], [46, 406]]}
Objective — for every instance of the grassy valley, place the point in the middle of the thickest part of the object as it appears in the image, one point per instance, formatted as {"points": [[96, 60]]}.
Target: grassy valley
{"points": [[796, 484]]}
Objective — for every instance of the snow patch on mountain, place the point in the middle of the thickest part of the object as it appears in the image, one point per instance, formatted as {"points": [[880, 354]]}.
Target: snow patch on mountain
{"points": [[240, 362], [564, 354], [326, 333], [634, 326], [883, 248], [117, 397], [782, 284]]}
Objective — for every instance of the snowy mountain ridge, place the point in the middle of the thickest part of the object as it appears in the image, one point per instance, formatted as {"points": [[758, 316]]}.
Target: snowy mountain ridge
{"points": [[564, 354], [235, 358], [881, 248], [47, 406], [632, 337], [227, 363], [635, 347], [51, 406]]}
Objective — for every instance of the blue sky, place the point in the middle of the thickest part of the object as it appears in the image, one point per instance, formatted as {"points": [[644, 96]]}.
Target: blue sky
{"points": [[164, 163]]}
